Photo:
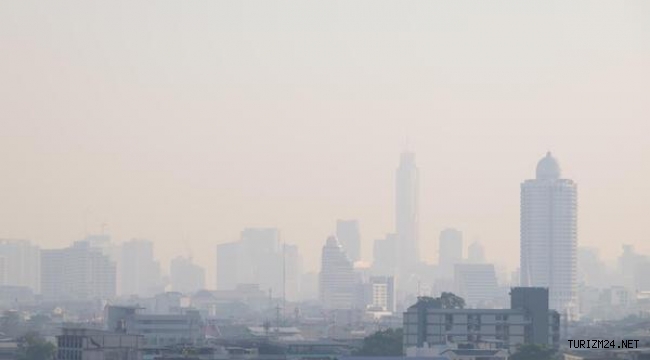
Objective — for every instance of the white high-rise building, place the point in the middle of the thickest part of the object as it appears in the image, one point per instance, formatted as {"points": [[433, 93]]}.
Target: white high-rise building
{"points": [[407, 211], [22, 264], [336, 277], [139, 271], [80, 272], [549, 234]]}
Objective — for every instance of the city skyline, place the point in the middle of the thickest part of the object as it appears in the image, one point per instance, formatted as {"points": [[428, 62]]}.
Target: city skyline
{"points": [[245, 115]]}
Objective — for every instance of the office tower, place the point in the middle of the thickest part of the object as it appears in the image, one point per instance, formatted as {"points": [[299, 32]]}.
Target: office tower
{"points": [[79, 272], [257, 258], [186, 277], [22, 264], [549, 234], [592, 271], [476, 283], [385, 257], [292, 272], [382, 290], [476, 253], [347, 231], [140, 272], [407, 211], [228, 265], [336, 277], [450, 251]]}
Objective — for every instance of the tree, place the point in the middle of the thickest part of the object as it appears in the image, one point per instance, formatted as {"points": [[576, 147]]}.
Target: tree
{"points": [[446, 300], [533, 352], [383, 343], [34, 347], [11, 323]]}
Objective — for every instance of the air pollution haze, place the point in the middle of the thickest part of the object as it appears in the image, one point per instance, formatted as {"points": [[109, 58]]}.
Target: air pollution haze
{"points": [[185, 122]]}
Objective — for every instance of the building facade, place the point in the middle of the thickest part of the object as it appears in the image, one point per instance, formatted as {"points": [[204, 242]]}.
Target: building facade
{"points": [[347, 231], [528, 321], [336, 279], [21, 264], [186, 276], [549, 234], [450, 251], [139, 271]]}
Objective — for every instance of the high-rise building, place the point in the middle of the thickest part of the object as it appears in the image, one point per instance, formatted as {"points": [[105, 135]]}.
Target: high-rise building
{"points": [[385, 258], [450, 251], [22, 264], [292, 272], [476, 283], [336, 277], [475, 253], [80, 272], [186, 277], [347, 231], [257, 258], [139, 271], [382, 291], [549, 234], [407, 211]]}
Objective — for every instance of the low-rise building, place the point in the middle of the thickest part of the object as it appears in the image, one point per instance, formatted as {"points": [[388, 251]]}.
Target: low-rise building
{"points": [[92, 344]]}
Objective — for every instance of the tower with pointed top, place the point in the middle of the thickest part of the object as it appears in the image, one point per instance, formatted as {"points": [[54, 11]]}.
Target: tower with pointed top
{"points": [[407, 211], [548, 251]]}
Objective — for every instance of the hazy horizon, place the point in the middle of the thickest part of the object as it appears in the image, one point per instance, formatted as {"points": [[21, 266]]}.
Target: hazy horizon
{"points": [[183, 123]]}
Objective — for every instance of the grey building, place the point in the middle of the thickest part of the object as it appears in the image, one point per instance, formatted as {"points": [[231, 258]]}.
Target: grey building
{"points": [[93, 344], [527, 321], [450, 251], [347, 231]]}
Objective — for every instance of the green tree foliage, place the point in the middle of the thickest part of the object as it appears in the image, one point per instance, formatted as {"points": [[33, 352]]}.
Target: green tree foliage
{"points": [[446, 300], [383, 343], [34, 347], [533, 352]]}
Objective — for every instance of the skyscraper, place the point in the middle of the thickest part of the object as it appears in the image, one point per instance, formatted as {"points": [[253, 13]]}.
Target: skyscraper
{"points": [[450, 251], [347, 231], [549, 234], [22, 264], [80, 272], [336, 282], [407, 210], [140, 272], [475, 253]]}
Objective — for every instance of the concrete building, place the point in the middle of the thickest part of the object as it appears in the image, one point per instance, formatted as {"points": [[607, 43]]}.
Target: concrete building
{"points": [[293, 269], [347, 231], [258, 257], [549, 234], [529, 320], [450, 251], [407, 211], [139, 271], [158, 330], [475, 253], [382, 290], [385, 256], [21, 264], [92, 344], [79, 272], [476, 283], [186, 277], [336, 281]]}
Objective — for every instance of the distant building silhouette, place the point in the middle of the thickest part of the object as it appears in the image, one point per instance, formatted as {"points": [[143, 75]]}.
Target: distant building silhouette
{"points": [[407, 211], [336, 279], [475, 253], [21, 264], [186, 277], [347, 231], [139, 271], [549, 234], [450, 251], [79, 272]]}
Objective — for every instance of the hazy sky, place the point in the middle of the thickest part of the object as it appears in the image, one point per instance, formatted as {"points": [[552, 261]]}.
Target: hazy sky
{"points": [[184, 122]]}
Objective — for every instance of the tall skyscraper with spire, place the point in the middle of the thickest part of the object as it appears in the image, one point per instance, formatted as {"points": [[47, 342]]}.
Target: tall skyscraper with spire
{"points": [[549, 234], [407, 210]]}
